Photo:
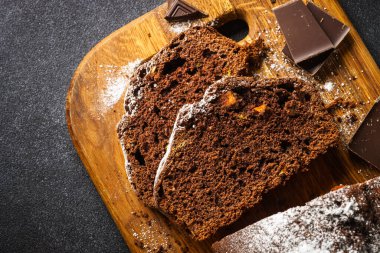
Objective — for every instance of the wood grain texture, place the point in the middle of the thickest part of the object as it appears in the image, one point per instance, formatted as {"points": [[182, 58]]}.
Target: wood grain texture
{"points": [[95, 105]]}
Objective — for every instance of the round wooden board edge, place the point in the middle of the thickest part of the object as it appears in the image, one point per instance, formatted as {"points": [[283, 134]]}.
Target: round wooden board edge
{"points": [[68, 103], [90, 54]]}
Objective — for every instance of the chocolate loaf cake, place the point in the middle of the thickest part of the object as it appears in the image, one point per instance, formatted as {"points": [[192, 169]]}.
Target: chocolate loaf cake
{"points": [[176, 75], [241, 140], [346, 220]]}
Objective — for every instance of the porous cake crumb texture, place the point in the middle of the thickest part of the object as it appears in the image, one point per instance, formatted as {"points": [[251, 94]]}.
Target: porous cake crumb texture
{"points": [[241, 140]]}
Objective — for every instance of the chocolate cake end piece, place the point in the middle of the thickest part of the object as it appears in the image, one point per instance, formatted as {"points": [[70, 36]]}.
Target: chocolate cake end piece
{"points": [[344, 220]]}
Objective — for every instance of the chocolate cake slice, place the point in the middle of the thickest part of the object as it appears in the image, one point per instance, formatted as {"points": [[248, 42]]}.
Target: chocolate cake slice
{"points": [[346, 220], [241, 140], [178, 74]]}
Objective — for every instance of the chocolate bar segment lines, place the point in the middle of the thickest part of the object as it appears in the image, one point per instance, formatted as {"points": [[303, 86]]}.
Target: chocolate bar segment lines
{"points": [[334, 29], [182, 11], [304, 36]]}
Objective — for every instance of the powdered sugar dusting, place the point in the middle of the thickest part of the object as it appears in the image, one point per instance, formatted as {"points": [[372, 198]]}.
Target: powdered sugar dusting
{"points": [[186, 112], [180, 27], [128, 168], [330, 223], [185, 108], [148, 236], [328, 86], [114, 90], [131, 67], [117, 79]]}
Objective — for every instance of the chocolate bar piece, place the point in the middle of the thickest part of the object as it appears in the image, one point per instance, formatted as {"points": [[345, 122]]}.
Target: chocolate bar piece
{"points": [[366, 141], [304, 36], [181, 11], [312, 65], [334, 29]]}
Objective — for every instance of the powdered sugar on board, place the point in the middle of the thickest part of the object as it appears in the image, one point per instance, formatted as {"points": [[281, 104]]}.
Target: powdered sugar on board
{"points": [[148, 234], [180, 27], [329, 86], [116, 80]]}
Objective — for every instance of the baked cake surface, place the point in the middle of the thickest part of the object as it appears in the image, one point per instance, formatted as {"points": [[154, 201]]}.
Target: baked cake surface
{"points": [[242, 139], [176, 75], [346, 220]]}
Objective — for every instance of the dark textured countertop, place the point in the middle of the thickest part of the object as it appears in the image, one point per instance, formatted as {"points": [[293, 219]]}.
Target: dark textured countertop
{"points": [[47, 201]]}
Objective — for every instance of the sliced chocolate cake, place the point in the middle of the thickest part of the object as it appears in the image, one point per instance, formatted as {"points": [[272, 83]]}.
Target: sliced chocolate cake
{"points": [[241, 140], [346, 220], [178, 74]]}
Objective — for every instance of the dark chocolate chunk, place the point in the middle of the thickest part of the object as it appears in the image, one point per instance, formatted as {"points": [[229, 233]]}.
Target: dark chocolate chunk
{"points": [[181, 11], [366, 141], [334, 29], [312, 65], [304, 36]]}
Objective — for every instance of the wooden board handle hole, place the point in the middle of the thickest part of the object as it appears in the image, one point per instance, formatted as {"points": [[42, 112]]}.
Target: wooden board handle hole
{"points": [[236, 29]]}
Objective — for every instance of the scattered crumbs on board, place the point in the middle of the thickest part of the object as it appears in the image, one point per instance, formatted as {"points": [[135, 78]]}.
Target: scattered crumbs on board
{"points": [[180, 27], [148, 236], [116, 80]]}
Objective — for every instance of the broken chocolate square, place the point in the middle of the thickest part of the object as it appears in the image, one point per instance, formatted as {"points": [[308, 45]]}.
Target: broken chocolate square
{"points": [[179, 10], [312, 65], [306, 29], [366, 141], [304, 36], [334, 29]]}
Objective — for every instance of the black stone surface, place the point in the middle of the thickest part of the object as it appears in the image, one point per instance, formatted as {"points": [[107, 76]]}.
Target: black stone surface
{"points": [[47, 201]]}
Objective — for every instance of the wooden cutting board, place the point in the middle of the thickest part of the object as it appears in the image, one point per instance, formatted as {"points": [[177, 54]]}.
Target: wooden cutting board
{"points": [[95, 105]]}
